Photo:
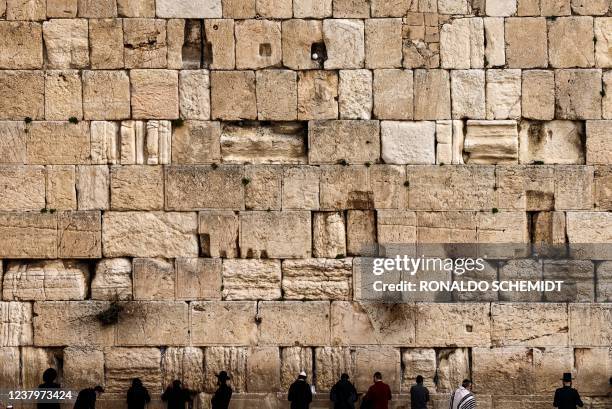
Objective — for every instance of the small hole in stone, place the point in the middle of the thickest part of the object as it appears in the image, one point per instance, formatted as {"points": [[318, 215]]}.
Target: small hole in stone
{"points": [[469, 328], [215, 27], [265, 50]]}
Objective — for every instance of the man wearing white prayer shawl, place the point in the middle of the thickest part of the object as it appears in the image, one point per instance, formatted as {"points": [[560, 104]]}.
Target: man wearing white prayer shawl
{"points": [[462, 398]]}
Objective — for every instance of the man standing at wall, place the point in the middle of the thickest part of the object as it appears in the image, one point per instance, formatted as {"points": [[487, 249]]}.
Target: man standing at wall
{"points": [[567, 397], [379, 394], [463, 398], [419, 394]]}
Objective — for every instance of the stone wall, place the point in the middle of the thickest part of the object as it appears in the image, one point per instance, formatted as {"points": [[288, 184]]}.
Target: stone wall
{"points": [[190, 185]]}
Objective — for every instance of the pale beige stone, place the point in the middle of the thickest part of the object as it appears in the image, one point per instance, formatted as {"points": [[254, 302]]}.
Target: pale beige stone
{"points": [[512, 326], [509, 369], [495, 45], [185, 363], [554, 142], [547, 363], [63, 95], [135, 8], [503, 94], [66, 44], [185, 47], [263, 190], [44, 140], [431, 95], [25, 10], [230, 359], [97, 8], [468, 94], [144, 42], [274, 8], [592, 369], [61, 187], [538, 95], [345, 187], [188, 9], [386, 360], [597, 145], [153, 323], [148, 88], [355, 94], [233, 95], [276, 95], [502, 227], [570, 42], [388, 188], [317, 279], [23, 188], [11, 367], [301, 188], [578, 94], [83, 367], [345, 41], [453, 367], [106, 95], [351, 9], [136, 187], [573, 187], [383, 45], [607, 98], [453, 325], [588, 325], [446, 227], [500, 7], [219, 233], [331, 362], [251, 279], [28, 235], [294, 323], [220, 36], [15, 324], [23, 95], [79, 234], [312, 9], [522, 31], [258, 44], [317, 95], [329, 236], [418, 361], [123, 364], [360, 232], [196, 142], [408, 142], [20, 45], [209, 314], [13, 142], [198, 279], [263, 369], [603, 36], [267, 234], [238, 8], [106, 43], [351, 141], [62, 8], [92, 187], [393, 94], [577, 276], [462, 43], [154, 279], [299, 38], [293, 361], [112, 280], [152, 234], [35, 361], [491, 142]]}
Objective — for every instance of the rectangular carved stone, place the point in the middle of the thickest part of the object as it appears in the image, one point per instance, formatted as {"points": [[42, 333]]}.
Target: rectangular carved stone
{"points": [[589, 325], [317, 279], [331, 362], [15, 324], [453, 325], [538, 94], [578, 277], [263, 369], [28, 235], [113, 280], [23, 188], [233, 95], [106, 95], [345, 187], [512, 325], [198, 279], [251, 279], [574, 187], [317, 95], [329, 235], [106, 43], [263, 184], [66, 44], [351, 141], [503, 94], [63, 95], [432, 95], [301, 188], [137, 187], [148, 87], [220, 36], [496, 369], [123, 364], [20, 45], [462, 43], [230, 359], [83, 366], [218, 231], [154, 279], [578, 94], [491, 142], [284, 234], [188, 9], [58, 143], [294, 360], [154, 234], [393, 94], [207, 314], [23, 95], [13, 142], [554, 142], [11, 367], [153, 323], [293, 323], [184, 363], [79, 234], [387, 360]]}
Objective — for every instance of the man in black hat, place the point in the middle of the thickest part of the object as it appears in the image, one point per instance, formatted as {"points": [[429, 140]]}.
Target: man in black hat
{"points": [[567, 397], [223, 395]]}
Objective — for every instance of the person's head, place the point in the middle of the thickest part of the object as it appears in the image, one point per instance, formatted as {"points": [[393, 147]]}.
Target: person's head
{"points": [[467, 384], [567, 379], [176, 384], [344, 377], [136, 382], [222, 377], [49, 375], [98, 390], [302, 375], [377, 376], [419, 379]]}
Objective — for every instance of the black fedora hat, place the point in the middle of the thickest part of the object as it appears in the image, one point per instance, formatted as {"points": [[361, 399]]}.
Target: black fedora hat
{"points": [[223, 376], [567, 377]]}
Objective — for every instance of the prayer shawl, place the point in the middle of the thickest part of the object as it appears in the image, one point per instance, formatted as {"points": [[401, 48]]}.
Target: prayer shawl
{"points": [[462, 399]]}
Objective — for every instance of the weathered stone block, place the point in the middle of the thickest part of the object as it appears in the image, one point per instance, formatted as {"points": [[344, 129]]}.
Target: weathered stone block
{"points": [[393, 94], [301, 188], [573, 187], [522, 31], [491, 142], [258, 44], [28, 235], [63, 95], [66, 44], [317, 95], [92, 187], [312, 9], [135, 8], [317, 279], [20, 45], [418, 361], [387, 183], [25, 10], [62, 8], [22, 95], [589, 325], [453, 7], [144, 43], [106, 95], [500, 7], [592, 369], [462, 43], [603, 188], [230, 359], [345, 43], [603, 30], [219, 233], [61, 187], [597, 142], [123, 364], [570, 42], [194, 94], [188, 9], [331, 362], [58, 143], [293, 323], [148, 87], [153, 234], [196, 142], [511, 367], [153, 323], [511, 325], [578, 94], [198, 279], [79, 234], [13, 142], [431, 95], [360, 232], [351, 9], [11, 367], [277, 95], [207, 314], [136, 187], [588, 227], [186, 364], [468, 94], [251, 279], [345, 187], [383, 43], [406, 143], [453, 325], [538, 95], [35, 362], [504, 94], [15, 324], [300, 38], [263, 369], [555, 142], [106, 43], [495, 43], [577, 276], [355, 94], [263, 187], [351, 141], [603, 289], [97, 8], [386, 360], [275, 234], [23, 188], [293, 361], [113, 280], [59, 323], [233, 95], [83, 367], [154, 279], [453, 367]]}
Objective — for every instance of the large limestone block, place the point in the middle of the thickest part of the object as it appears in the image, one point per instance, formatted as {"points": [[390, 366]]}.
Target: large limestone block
{"points": [[495, 45], [106, 95], [218, 232], [503, 94], [383, 43], [276, 95], [385, 360], [459, 188], [526, 187], [11, 367], [522, 31], [23, 188], [145, 44], [372, 324], [66, 44], [113, 280], [135, 8], [603, 188], [79, 234], [198, 279], [604, 282], [393, 94], [97, 8], [317, 279], [597, 142], [408, 143], [548, 363], [301, 188], [355, 94], [35, 362], [106, 43], [105, 142], [258, 44], [263, 369], [154, 234], [502, 227], [500, 7], [263, 190], [538, 95], [589, 227], [512, 325], [446, 227], [293, 361], [275, 234], [274, 8], [137, 187], [555, 7], [251, 279], [312, 8], [396, 227], [233, 95], [153, 323], [58, 143], [507, 369], [233, 322], [462, 43], [345, 43], [28, 235], [603, 44], [293, 323], [204, 187], [578, 277], [22, 95], [220, 34], [574, 187], [345, 187], [331, 362], [592, 369], [299, 39], [317, 95], [76, 323], [15, 324], [83, 367], [20, 45], [13, 142], [196, 142], [230, 359], [25, 10], [589, 325], [491, 142], [446, 325], [570, 42], [186, 364], [578, 94], [388, 188], [45, 281], [351, 140], [154, 279], [418, 361], [148, 88], [188, 8], [123, 364], [468, 94], [432, 95], [63, 95], [453, 367], [93, 187]]}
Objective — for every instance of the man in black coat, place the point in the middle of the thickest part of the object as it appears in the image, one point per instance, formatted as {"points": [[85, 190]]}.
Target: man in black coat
{"points": [[137, 396], [567, 397], [223, 394], [300, 394], [343, 393], [419, 394], [49, 377], [87, 398], [176, 396]]}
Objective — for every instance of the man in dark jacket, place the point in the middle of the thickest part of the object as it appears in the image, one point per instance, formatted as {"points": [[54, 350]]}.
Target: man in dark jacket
{"points": [[343, 393], [87, 398], [49, 377], [567, 397], [300, 394], [176, 395], [379, 394], [419, 394], [137, 396], [223, 395]]}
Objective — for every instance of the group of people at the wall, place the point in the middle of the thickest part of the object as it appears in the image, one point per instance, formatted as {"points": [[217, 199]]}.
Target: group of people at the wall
{"points": [[343, 394]]}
